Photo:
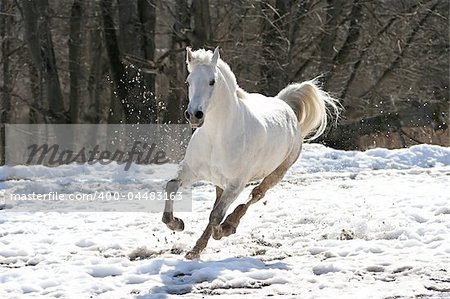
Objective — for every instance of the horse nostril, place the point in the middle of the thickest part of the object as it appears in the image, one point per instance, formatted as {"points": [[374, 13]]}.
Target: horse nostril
{"points": [[187, 114], [199, 114]]}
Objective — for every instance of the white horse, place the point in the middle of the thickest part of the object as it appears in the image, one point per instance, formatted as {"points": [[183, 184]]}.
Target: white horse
{"points": [[240, 137]]}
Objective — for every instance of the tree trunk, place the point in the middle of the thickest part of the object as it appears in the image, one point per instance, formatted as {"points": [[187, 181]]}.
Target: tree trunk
{"points": [[128, 26], [95, 72], [276, 46], [138, 104], [117, 67], [5, 107], [327, 45], [353, 33], [202, 23], [39, 39], [147, 20], [75, 42], [36, 93], [177, 101]]}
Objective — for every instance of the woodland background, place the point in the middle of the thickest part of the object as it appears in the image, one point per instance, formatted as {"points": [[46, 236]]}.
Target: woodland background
{"points": [[107, 61]]}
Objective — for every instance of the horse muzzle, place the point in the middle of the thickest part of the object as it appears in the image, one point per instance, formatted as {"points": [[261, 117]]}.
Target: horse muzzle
{"points": [[195, 119]]}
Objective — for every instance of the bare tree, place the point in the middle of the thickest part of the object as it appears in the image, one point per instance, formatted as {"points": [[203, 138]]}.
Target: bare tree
{"points": [[98, 69], [5, 107], [75, 42], [138, 105], [176, 103], [275, 44], [201, 34], [147, 22], [40, 44]]}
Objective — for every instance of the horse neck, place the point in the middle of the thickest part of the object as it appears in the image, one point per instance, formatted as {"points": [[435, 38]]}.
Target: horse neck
{"points": [[225, 105]]}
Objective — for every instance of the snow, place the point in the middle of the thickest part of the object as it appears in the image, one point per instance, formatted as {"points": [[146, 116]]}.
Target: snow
{"points": [[341, 224]]}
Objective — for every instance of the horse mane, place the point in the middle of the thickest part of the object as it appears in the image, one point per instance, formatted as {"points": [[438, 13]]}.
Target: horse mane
{"points": [[203, 57], [241, 94]]}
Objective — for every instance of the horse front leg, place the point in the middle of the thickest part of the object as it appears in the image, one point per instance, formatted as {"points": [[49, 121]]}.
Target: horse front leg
{"points": [[184, 177], [175, 224], [202, 242]]}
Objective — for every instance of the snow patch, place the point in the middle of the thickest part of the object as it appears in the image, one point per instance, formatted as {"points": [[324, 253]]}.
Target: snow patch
{"points": [[340, 224]]}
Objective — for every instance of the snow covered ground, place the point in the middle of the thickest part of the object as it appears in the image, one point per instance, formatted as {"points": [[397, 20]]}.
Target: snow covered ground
{"points": [[372, 224]]}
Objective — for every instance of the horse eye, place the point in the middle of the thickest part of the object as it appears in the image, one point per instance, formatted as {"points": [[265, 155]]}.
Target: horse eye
{"points": [[211, 83]]}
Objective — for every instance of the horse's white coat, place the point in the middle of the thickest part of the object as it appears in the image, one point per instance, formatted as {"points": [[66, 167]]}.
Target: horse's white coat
{"points": [[240, 140]]}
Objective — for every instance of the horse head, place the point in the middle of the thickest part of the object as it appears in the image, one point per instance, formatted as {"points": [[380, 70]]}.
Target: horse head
{"points": [[201, 83]]}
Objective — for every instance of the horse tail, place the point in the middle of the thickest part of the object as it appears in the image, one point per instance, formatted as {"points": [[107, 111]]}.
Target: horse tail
{"points": [[312, 106]]}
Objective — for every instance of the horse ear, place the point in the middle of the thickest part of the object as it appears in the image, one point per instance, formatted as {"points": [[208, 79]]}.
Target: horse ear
{"points": [[215, 57], [188, 55]]}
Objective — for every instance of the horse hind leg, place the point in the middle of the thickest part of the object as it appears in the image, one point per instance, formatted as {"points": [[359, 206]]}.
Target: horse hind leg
{"points": [[201, 243], [228, 227]]}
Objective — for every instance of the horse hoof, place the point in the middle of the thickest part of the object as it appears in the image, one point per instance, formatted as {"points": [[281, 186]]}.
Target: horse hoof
{"points": [[176, 224], [192, 255], [217, 233], [227, 229]]}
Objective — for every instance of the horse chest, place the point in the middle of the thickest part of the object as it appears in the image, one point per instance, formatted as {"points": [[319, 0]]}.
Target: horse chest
{"points": [[215, 163]]}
